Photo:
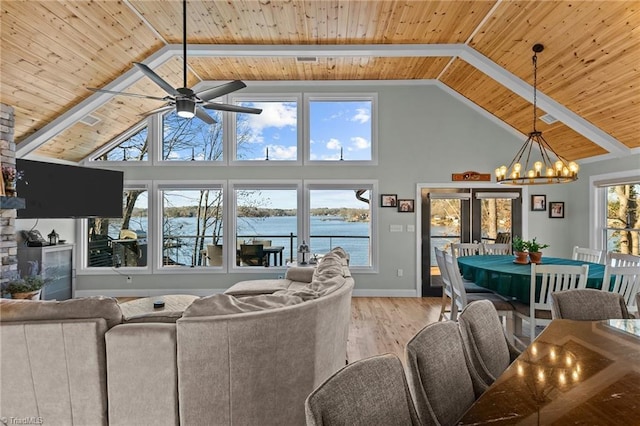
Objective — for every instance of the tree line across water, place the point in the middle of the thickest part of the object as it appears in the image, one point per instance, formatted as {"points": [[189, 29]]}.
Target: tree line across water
{"points": [[350, 214]]}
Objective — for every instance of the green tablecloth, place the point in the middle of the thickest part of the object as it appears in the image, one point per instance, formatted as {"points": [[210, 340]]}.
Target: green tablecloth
{"points": [[500, 274]]}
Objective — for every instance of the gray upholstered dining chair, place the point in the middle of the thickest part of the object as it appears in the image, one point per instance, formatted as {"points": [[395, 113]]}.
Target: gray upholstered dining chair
{"points": [[371, 391], [487, 346], [441, 383], [587, 254], [588, 304]]}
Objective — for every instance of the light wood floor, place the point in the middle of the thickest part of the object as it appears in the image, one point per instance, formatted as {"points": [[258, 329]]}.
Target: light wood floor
{"points": [[383, 324]]}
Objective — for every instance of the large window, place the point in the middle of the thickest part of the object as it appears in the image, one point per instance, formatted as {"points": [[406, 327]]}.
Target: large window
{"points": [[192, 224], [269, 136], [622, 229], [121, 242], [192, 139], [341, 128], [133, 145], [266, 224], [341, 215]]}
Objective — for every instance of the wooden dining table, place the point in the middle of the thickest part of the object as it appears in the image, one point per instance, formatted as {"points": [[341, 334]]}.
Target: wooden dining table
{"points": [[500, 274], [575, 372]]}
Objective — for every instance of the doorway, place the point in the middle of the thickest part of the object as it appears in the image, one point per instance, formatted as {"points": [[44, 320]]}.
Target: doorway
{"points": [[463, 215]]}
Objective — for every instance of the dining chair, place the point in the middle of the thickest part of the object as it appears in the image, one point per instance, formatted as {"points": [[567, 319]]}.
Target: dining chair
{"points": [[441, 383], [370, 391], [496, 249], [588, 304], [552, 278], [624, 280], [622, 259], [587, 255], [487, 346], [252, 254], [447, 294], [503, 238], [466, 249], [462, 298]]}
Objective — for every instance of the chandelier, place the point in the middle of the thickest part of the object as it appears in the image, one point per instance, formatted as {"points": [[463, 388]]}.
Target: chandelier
{"points": [[536, 163]]}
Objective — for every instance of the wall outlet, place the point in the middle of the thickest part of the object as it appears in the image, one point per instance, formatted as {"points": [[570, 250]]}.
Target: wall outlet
{"points": [[129, 279], [400, 272]]}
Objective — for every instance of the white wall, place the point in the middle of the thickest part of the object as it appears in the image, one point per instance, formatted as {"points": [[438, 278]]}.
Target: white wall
{"points": [[425, 135]]}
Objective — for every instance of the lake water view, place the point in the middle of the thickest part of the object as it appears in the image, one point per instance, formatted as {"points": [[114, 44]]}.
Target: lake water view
{"points": [[327, 232]]}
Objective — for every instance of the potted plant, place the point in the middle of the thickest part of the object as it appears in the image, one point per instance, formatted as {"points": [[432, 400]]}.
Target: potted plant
{"points": [[534, 247], [520, 250], [26, 288]]}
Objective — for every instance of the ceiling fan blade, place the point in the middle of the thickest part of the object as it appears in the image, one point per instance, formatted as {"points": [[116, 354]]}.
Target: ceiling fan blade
{"points": [[202, 115], [157, 79], [215, 92], [161, 109], [135, 95], [232, 108]]}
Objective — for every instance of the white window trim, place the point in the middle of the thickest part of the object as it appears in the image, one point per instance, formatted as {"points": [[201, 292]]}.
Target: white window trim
{"points": [[187, 185], [598, 202], [83, 253], [316, 184], [230, 239], [263, 97]]}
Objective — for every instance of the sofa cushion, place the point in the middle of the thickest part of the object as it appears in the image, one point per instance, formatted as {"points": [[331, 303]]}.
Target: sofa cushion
{"points": [[47, 310], [300, 274], [254, 287], [224, 304]]}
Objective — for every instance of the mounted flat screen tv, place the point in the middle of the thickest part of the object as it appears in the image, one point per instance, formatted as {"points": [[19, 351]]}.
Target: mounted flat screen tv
{"points": [[60, 191]]}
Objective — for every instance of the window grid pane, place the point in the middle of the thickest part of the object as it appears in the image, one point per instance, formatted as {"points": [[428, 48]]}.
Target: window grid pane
{"points": [[192, 139]]}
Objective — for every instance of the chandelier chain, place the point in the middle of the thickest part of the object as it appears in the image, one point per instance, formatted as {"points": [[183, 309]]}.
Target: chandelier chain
{"points": [[535, 85]]}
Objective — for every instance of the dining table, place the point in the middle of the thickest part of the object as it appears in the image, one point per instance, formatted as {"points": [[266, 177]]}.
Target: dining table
{"points": [[501, 274], [575, 372]]}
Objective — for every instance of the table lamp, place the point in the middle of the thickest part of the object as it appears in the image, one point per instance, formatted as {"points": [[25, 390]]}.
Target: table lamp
{"points": [[304, 249]]}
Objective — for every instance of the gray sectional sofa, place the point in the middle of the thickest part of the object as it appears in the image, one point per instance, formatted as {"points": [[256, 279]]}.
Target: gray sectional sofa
{"points": [[231, 359]]}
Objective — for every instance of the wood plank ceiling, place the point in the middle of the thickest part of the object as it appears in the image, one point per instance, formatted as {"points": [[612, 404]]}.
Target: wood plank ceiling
{"points": [[52, 50]]}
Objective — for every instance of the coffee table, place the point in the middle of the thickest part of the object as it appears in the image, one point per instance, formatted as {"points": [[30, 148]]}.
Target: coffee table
{"points": [[172, 303]]}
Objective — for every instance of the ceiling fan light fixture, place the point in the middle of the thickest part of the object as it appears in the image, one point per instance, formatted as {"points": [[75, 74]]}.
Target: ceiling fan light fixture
{"points": [[536, 163], [185, 108]]}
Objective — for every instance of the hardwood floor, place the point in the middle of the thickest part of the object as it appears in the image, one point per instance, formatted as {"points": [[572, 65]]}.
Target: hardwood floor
{"points": [[384, 324]]}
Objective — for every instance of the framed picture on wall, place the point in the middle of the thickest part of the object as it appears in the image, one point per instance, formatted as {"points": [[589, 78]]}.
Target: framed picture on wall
{"points": [[556, 209], [388, 200], [538, 203], [405, 206]]}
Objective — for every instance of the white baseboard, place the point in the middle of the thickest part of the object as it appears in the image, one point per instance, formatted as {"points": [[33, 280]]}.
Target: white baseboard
{"points": [[385, 293], [146, 292]]}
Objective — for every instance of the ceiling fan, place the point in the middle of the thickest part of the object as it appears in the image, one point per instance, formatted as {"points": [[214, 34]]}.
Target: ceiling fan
{"points": [[187, 102]]}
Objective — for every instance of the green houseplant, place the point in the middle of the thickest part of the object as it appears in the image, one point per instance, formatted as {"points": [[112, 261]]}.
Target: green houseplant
{"points": [[534, 248], [519, 250], [25, 288]]}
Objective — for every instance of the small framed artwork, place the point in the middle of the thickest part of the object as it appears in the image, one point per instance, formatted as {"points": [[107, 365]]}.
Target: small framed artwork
{"points": [[405, 206], [556, 209], [388, 200], [538, 203]]}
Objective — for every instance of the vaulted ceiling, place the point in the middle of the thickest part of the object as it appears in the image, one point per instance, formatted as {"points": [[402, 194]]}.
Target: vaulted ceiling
{"points": [[51, 51]]}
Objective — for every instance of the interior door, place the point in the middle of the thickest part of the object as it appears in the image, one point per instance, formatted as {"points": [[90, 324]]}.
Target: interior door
{"points": [[454, 215]]}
